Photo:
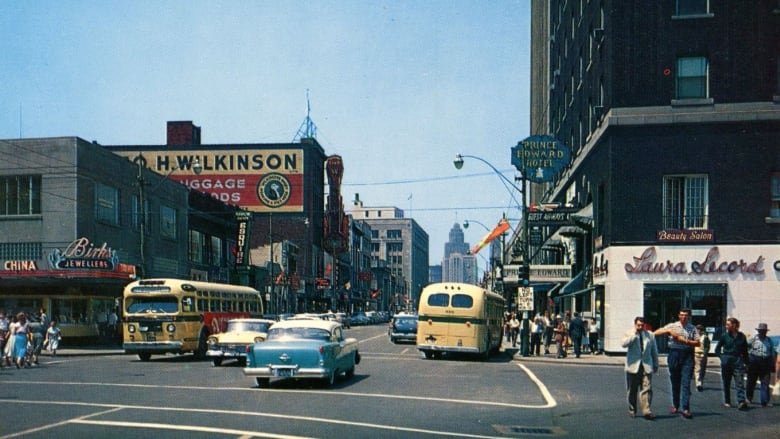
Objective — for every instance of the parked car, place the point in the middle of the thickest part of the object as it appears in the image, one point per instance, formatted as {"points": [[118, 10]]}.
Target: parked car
{"points": [[233, 343], [344, 319], [303, 349], [359, 318], [403, 328]]}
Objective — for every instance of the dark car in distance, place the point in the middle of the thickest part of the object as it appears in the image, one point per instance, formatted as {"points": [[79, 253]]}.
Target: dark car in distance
{"points": [[403, 328]]}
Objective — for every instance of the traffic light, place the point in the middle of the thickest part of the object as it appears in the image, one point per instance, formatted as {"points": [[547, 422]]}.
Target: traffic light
{"points": [[524, 274]]}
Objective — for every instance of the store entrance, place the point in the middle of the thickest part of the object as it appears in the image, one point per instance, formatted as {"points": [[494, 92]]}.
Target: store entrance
{"points": [[707, 303]]}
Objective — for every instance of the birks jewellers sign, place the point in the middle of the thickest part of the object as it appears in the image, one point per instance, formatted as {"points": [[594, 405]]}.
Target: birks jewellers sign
{"points": [[81, 254]]}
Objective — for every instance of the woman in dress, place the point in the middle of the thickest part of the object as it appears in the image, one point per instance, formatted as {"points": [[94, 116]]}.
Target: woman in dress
{"points": [[53, 337], [20, 331]]}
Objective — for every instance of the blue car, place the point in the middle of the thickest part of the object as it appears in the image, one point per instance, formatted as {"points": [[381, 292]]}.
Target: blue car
{"points": [[302, 348]]}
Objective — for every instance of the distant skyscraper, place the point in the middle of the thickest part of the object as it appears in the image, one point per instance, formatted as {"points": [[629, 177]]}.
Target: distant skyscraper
{"points": [[458, 264]]}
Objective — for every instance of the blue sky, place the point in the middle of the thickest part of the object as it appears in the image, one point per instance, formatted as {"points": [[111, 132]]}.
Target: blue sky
{"points": [[396, 88]]}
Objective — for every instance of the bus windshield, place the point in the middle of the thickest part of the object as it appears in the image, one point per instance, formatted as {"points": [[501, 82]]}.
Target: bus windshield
{"points": [[139, 305]]}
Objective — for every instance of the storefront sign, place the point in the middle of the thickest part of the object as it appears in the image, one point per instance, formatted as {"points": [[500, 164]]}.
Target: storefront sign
{"points": [[20, 265], [81, 254], [551, 273], [685, 236], [647, 263]]}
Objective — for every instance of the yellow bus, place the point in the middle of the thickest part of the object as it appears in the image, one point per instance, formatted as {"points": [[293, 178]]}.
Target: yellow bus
{"points": [[457, 317], [173, 315]]}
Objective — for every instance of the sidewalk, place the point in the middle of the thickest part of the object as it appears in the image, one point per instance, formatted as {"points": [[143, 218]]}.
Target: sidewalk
{"points": [[601, 359]]}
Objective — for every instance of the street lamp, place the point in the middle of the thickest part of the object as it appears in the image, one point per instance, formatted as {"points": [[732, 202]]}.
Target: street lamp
{"points": [[509, 185], [140, 162]]}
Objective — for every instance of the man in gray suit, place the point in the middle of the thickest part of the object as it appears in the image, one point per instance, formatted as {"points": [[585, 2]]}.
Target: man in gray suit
{"points": [[641, 363]]}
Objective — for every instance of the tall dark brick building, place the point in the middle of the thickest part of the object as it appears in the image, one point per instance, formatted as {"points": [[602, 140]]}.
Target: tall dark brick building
{"points": [[671, 111]]}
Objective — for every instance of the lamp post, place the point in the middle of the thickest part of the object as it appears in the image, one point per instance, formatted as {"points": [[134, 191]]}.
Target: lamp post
{"points": [[140, 162], [509, 185]]}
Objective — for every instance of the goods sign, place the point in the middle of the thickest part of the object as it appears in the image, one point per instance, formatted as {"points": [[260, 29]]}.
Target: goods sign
{"points": [[525, 298], [539, 158]]}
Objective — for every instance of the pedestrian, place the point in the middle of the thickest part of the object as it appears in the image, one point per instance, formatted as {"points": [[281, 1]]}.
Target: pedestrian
{"points": [[20, 331], [561, 336], [38, 334], [53, 338], [507, 329], [593, 336], [576, 332], [112, 321], [700, 358], [8, 352], [514, 328], [641, 364], [4, 323], [761, 359], [548, 331], [537, 330], [732, 349], [683, 337]]}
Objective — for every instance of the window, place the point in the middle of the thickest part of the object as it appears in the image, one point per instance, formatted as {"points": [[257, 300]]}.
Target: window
{"points": [[462, 301], [168, 222], [691, 80], [774, 210], [393, 234], [216, 251], [439, 299], [691, 7], [20, 195], [106, 204], [196, 246], [685, 202]]}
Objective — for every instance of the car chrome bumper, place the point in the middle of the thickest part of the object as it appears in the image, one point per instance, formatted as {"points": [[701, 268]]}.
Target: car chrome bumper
{"points": [[298, 372], [225, 354], [403, 336], [152, 346]]}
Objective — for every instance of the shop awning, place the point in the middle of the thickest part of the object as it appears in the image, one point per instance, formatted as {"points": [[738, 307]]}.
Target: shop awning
{"points": [[584, 217], [575, 286]]}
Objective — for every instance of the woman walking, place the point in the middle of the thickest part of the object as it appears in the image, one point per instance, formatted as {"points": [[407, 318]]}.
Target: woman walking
{"points": [[20, 331]]}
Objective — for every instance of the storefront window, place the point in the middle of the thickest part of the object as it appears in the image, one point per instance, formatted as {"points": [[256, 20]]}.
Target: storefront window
{"points": [[707, 303]]}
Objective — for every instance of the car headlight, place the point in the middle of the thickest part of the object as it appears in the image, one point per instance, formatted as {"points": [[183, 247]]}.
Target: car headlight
{"points": [[259, 339], [212, 340], [131, 329], [171, 327]]}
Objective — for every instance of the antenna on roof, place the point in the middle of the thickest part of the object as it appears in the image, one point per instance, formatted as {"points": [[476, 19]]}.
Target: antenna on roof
{"points": [[307, 130]]}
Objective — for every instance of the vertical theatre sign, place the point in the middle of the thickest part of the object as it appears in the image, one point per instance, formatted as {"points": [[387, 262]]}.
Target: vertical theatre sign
{"points": [[242, 240], [540, 158]]}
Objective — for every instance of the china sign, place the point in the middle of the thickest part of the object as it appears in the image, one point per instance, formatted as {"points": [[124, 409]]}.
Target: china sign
{"points": [[539, 158]]}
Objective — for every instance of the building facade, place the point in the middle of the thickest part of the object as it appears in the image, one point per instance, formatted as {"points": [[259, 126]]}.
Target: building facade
{"points": [[459, 265], [402, 243], [671, 112], [75, 232], [281, 185]]}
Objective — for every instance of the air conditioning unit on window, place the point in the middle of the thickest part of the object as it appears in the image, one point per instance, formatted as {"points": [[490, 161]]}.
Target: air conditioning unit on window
{"points": [[598, 33]]}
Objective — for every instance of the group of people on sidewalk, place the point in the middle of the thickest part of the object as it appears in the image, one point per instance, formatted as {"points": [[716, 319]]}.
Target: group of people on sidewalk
{"points": [[687, 362], [23, 337], [566, 332]]}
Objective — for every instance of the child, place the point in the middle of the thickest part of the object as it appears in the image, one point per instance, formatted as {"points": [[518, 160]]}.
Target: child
{"points": [[53, 337]]}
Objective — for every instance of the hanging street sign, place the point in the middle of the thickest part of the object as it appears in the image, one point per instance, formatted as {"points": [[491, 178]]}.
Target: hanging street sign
{"points": [[540, 158]]}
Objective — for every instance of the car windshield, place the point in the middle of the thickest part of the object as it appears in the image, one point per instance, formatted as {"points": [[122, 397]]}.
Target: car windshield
{"points": [[297, 334], [151, 305], [247, 327], [406, 321]]}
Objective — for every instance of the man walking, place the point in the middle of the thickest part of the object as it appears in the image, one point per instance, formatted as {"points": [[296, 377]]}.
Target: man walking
{"points": [[576, 332], [761, 360], [732, 348], [683, 337], [641, 363], [700, 358]]}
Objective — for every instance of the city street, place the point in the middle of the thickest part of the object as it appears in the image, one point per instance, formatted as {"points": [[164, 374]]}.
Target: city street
{"points": [[394, 394]]}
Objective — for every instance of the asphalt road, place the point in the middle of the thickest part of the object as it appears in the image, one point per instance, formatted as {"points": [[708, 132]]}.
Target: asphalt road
{"points": [[395, 394]]}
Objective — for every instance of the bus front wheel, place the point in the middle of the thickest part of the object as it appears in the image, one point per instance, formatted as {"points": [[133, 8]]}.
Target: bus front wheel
{"points": [[144, 356]]}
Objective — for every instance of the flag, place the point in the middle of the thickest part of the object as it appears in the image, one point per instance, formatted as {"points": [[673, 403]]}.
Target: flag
{"points": [[502, 227], [410, 197], [280, 278], [328, 270], [347, 285], [375, 293]]}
